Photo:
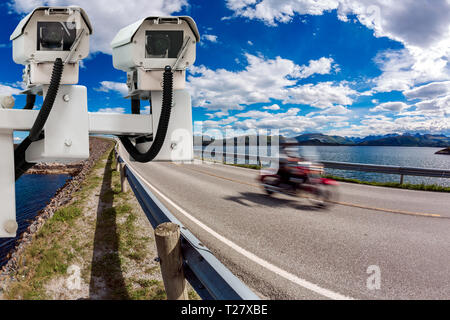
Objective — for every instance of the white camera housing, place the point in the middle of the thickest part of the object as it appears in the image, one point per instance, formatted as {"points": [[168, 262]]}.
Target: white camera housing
{"points": [[48, 33], [139, 50]]}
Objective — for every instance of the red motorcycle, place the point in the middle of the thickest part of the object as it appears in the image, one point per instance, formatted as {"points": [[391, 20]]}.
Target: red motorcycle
{"points": [[303, 177]]}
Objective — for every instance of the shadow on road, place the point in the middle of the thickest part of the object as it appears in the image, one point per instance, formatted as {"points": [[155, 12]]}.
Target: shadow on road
{"points": [[107, 281], [270, 201]]}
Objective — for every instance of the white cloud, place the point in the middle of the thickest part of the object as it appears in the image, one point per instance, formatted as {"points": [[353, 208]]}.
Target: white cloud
{"points": [[111, 110], [256, 114], [404, 69], [321, 66], [390, 107], [262, 80], [335, 110], [107, 86], [272, 107], [439, 106], [109, 16], [273, 11], [321, 95], [416, 23], [385, 125], [210, 37], [218, 114], [289, 122], [6, 90], [431, 90]]}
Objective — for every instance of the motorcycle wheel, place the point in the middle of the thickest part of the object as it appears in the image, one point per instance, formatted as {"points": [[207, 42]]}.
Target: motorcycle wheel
{"points": [[321, 196], [268, 191], [272, 181]]}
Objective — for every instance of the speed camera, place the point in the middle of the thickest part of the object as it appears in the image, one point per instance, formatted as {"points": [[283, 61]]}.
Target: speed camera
{"points": [[49, 33], [145, 48]]}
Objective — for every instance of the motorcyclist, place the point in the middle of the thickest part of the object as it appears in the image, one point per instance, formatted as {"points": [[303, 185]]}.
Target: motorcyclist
{"points": [[288, 160]]}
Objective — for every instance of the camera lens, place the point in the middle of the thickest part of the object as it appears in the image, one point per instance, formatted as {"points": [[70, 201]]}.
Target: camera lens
{"points": [[55, 36], [158, 44], [52, 36]]}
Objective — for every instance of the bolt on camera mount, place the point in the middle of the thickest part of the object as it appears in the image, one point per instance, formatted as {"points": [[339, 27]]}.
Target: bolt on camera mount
{"points": [[50, 42]]}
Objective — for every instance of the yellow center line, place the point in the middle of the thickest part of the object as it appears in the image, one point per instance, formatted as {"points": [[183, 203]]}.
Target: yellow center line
{"points": [[430, 215]]}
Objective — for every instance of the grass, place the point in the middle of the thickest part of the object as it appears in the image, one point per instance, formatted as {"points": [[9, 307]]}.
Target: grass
{"points": [[68, 214], [410, 186]]}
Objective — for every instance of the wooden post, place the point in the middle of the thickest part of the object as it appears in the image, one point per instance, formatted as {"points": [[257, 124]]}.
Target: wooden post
{"points": [[123, 179], [401, 179], [167, 236], [117, 164]]}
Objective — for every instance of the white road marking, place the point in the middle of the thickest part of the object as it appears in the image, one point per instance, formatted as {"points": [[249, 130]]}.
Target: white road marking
{"points": [[282, 273]]}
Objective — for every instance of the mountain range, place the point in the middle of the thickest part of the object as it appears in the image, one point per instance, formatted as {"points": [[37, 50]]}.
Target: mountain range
{"points": [[407, 140], [319, 139]]}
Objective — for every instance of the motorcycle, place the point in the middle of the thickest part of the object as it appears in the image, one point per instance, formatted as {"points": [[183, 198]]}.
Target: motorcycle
{"points": [[305, 178]]}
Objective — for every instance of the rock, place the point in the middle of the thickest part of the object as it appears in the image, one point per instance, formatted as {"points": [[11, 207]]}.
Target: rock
{"points": [[33, 228], [444, 151]]}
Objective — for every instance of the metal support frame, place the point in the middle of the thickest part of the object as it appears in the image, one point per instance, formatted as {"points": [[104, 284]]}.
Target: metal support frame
{"points": [[99, 123], [67, 133]]}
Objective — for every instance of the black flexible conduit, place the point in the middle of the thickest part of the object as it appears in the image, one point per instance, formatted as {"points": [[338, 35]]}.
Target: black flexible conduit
{"points": [[31, 99], [163, 123], [21, 165], [135, 106]]}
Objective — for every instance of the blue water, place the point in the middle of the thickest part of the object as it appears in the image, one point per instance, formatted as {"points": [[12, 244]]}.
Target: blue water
{"points": [[33, 193], [420, 157]]}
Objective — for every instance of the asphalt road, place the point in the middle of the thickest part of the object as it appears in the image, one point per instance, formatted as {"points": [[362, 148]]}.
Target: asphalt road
{"points": [[283, 248]]}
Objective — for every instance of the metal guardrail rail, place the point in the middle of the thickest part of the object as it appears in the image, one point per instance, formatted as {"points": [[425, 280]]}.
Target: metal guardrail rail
{"points": [[397, 170], [207, 275]]}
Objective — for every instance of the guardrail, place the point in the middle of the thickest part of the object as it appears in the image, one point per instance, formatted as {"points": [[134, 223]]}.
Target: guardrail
{"points": [[207, 275], [397, 170]]}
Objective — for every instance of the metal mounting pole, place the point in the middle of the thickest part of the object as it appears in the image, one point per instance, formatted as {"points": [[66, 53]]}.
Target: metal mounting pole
{"points": [[8, 224]]}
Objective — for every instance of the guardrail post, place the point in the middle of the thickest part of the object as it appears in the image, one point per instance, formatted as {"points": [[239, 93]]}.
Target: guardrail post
{"points": [[117, 163], [167, 236], [123, 178], [401, 179]]}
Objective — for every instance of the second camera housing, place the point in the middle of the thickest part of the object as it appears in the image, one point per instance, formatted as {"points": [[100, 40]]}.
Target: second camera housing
{"points": [[146, 47]]}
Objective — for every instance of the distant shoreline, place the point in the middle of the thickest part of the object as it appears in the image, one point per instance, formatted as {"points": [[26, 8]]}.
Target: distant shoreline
{"points": [[56, 168]]}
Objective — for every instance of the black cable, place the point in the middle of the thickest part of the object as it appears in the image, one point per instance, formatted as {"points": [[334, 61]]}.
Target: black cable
{"points": [[31, 99], [135, 106], [49, 100], [163, 123], [20, 163]]}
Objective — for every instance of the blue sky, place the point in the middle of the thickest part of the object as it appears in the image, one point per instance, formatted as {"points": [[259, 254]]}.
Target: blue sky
{"points": [[352, 68]]}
